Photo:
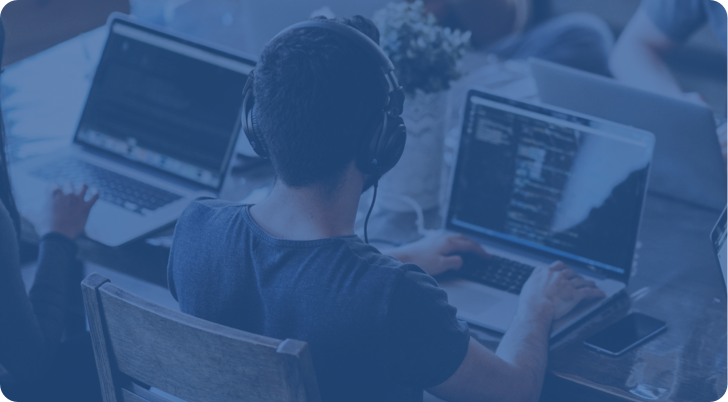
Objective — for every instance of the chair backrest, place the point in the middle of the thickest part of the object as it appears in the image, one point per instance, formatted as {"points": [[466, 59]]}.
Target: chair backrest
{"points": [[139, 345]]}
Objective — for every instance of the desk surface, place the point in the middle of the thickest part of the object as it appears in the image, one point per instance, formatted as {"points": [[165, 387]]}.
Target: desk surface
{"points": [[677, 266], [676, 278]]}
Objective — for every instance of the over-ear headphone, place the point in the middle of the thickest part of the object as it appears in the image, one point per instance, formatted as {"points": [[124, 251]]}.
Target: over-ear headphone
{"points": [[380, 150]]}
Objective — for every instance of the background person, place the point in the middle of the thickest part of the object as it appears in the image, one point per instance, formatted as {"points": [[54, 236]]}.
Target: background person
{"points": [[657, 28], [500, 27], [43, 341]]}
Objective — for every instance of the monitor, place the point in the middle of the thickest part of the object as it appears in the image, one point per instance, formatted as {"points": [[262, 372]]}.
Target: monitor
{"points": [[166, 103], [554, 182]]}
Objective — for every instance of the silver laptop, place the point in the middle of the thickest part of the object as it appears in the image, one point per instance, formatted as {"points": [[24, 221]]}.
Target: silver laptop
{"points": [[158, 129], [687, 165], [534, 185], [718, 237]]}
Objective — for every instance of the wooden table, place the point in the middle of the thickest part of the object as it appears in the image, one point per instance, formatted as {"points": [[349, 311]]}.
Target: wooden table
{"points": [[675, 260], [677, 279]]}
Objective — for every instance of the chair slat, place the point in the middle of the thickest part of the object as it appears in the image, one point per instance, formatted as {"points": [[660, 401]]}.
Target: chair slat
{"points": [[89, 288]]}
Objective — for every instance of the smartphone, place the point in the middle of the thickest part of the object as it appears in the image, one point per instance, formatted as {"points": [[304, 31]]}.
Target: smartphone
{"points": [[625, 334]]}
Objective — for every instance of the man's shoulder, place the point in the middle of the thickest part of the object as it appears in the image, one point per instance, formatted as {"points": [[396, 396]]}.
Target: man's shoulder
{"points": [[206, 219], [207, 208], [372, 258], [209, 204], [374, 263]]}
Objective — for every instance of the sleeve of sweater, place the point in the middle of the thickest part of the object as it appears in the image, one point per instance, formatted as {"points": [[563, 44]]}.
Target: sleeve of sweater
{"points": [[31, 326]]}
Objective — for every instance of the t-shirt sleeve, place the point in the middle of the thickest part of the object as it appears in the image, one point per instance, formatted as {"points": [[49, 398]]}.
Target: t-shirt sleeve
{"points": [[425, 342], [189, 222], [677, 19]]}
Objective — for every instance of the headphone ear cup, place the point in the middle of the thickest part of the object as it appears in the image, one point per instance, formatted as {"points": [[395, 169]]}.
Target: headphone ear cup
{"points": [[392, 144], [247, 120], [381, 151]]}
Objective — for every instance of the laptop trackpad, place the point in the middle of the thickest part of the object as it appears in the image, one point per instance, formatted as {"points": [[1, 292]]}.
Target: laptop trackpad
{"points": [[472, 301]]}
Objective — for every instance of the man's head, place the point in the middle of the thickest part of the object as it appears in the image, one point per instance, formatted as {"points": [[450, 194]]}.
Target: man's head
{"points": [[317, 97]]}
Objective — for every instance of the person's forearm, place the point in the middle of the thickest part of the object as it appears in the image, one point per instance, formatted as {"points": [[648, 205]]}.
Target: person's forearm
{"points": [[49, 294], [525, 347], [28, 346], [637, 58], [644, 68]]}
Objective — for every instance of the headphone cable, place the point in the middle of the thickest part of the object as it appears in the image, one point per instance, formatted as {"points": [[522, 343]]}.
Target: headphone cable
{"points": [[371, 207]]}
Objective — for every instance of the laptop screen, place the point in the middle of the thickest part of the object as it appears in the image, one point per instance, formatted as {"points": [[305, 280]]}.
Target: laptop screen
{"points": [[166, 103], [566, 185], [718, 236]]}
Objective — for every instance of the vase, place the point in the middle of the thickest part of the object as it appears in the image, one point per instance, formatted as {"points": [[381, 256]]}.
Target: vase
{"points": [[417, 176]]}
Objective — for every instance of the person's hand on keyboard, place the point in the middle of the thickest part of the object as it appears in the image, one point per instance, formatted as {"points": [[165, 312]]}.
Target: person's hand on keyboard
{"points": [[67, 210], [438, 253], [557, 287]]}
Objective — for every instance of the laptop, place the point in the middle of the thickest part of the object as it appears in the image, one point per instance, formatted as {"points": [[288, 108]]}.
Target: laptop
{"points": [[158, 130], [718, 237], [535, 185], [687, 165]]}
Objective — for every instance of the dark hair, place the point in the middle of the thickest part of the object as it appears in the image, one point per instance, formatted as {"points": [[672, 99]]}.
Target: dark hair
{"points": [[317, 94], [6, 192]]}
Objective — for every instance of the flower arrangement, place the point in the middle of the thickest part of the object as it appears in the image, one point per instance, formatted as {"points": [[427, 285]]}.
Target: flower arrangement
{"points": [[425, 55]]}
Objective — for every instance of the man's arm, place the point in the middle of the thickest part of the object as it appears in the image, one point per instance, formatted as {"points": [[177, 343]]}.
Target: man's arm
{"points": [[514, 373], [638, 57], [516, 370], [438, 252]]}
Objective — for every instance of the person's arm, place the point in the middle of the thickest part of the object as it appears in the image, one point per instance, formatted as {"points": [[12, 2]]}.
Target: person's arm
{"points": [[637, 58], [28, 346], [438, 252], [24, 351], [516, 370]]}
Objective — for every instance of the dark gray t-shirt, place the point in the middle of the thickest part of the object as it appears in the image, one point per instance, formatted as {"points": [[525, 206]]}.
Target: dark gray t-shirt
{"points": [[378, 330], [679, 19]]}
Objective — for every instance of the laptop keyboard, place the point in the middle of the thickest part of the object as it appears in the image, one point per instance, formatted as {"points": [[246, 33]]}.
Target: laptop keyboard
{"points": [[496, 272], [113, 187]]}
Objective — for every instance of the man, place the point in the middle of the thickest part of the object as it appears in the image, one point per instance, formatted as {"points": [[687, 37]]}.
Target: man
{"points": [[658, 27], [292, 267]]}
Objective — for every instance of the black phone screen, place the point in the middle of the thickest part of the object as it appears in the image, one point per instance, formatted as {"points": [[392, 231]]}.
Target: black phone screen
{"points": [[625, 334]]}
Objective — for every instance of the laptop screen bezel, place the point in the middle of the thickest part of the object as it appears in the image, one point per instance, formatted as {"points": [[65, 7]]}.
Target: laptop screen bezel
{"points": [[117, 18], [556, 254]]}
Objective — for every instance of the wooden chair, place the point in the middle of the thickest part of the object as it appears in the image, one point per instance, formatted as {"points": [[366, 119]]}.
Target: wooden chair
{"points": [[139, 345]]}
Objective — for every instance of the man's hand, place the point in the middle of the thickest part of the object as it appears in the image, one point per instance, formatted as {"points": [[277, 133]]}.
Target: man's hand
{"points": [[558, 289], [438, 253]]}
